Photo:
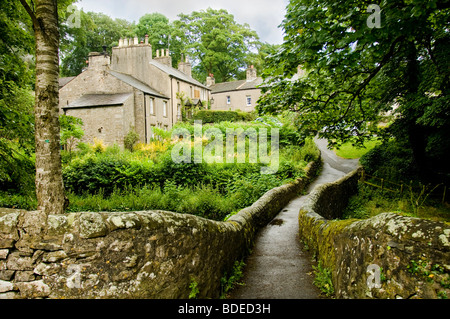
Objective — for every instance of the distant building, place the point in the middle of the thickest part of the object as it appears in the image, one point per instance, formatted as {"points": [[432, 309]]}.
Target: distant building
{"points": [[236, 95], [129, 90]]}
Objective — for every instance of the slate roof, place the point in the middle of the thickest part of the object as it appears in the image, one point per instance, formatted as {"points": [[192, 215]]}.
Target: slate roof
{"points": [[177, 74], [136, 84], [236, 85], [64, 81], [98, 100]]}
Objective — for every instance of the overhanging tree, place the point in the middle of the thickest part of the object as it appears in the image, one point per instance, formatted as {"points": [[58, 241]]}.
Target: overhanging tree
{"points": [[356, 71]]}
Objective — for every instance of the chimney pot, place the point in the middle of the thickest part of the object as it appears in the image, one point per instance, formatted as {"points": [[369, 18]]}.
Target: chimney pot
{"points": [[146, 39], [120, 42], [136, 40]]}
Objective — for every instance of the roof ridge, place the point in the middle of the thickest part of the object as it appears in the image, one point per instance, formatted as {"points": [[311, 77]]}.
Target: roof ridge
{"points": [[171, 71]]}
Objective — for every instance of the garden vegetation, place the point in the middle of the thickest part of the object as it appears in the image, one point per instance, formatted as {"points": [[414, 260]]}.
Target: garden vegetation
{"points": [[111, 178]]}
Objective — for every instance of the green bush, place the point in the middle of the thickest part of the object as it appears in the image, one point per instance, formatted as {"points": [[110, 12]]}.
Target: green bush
{"points": [[208, 116], [19, 201], [391, 160], [203, 201], [131, 139], [120, 180], [245, 190], [94, 173], [185, 174]]}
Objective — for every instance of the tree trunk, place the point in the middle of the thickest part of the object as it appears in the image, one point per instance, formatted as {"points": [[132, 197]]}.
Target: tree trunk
{"points": [[49, 183]]}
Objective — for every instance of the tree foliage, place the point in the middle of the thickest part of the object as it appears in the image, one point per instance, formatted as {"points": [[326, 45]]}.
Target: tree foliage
{"points": [[16, 99], [217, 43], [355, 72], [96, 30], [71, 131]]}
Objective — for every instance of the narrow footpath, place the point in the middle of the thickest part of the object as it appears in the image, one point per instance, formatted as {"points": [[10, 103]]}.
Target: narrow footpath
{"points": [[277, 267]]}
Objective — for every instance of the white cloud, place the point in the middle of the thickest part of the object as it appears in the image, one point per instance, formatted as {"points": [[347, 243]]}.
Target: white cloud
{"points": [[263, 16]]}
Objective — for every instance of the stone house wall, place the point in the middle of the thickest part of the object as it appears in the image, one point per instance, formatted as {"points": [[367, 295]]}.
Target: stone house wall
{"points": [[134, 71], [238, 100]]}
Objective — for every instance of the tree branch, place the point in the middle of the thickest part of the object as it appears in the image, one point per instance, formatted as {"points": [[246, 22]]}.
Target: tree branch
{"points": [[383, 62], [30, 13]]}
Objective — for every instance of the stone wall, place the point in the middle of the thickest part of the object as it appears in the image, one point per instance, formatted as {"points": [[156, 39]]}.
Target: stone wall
{"points": [[149, 254], [386, 256]]}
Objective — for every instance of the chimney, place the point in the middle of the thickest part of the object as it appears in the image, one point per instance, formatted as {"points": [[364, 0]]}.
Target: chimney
{"points": [[185, 66], [99, 60], [210, 81], [164, 59], [251, 74], [131, 58], [146, 39]]}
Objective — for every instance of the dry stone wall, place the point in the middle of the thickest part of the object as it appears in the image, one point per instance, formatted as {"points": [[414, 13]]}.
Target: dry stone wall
{"points": [[386, 256], [148, 254]]}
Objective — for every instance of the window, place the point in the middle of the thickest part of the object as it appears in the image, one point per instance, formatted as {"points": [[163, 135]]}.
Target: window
{"points": [[165, 108], [178, 87], [228, 99], [249, 100], [196, 94], [152, 108]]}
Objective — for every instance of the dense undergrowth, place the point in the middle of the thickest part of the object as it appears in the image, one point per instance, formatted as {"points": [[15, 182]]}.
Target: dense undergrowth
{"points": [[109, 178], [405, 191]]}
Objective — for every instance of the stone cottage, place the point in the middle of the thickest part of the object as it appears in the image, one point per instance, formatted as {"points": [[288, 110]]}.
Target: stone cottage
{"points": [[236, 95], [129, 90]]}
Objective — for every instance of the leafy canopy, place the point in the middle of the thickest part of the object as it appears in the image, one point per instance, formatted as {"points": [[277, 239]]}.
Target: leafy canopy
{"points": [[217, 43], [353, 74]]}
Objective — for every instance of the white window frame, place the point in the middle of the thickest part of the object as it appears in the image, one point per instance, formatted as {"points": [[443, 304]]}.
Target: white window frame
{"points": [[164, 108]]}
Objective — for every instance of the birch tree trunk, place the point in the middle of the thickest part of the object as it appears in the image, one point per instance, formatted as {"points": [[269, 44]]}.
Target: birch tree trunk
{"points": [[49, 183]]}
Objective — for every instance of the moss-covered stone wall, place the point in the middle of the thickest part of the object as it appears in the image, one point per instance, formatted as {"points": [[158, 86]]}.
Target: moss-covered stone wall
{"points": [[386, 256], [149, 254]]}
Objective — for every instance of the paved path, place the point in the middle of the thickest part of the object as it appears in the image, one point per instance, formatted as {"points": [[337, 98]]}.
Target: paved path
{"points": [[277, 267]]}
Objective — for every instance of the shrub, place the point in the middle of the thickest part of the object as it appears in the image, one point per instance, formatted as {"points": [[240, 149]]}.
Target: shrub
{"points": [[186, 174], [99, 146], [19, 201], [391, 160], [130, 139], [245, 190], [208, 116]]}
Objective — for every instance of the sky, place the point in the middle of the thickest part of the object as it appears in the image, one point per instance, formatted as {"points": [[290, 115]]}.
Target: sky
{"points": [[263, 16]]}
